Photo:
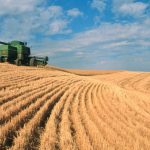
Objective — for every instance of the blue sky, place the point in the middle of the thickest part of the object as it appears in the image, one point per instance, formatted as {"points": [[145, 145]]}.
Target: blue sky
{"points": [[85, 34]]}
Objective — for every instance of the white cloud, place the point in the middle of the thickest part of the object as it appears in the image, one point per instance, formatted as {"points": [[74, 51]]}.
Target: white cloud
{"points": [[115, 44], [129, 7], [58, 26], [13, 27], [99, 5], [107, 38], [133, 9], [75, 12], [112, 45], [17, 6], [50, 12], [25, 19]]}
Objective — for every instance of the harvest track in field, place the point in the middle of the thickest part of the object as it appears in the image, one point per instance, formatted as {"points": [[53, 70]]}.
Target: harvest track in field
{"points": [[52, 109]]}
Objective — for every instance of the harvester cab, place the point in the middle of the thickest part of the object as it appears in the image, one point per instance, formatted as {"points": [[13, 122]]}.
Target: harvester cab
{"points": [[19, 53], [23, 52]]}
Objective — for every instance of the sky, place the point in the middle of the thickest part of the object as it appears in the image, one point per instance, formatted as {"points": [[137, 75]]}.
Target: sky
{"points": [[84, 34]]}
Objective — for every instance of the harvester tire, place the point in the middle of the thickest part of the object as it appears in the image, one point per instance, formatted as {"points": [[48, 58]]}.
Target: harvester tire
{"points": [[1, 59], [18, 62], [33, 62]]}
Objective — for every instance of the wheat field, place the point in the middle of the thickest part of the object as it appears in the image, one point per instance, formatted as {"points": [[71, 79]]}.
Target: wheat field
{"points": [[43, 109]]}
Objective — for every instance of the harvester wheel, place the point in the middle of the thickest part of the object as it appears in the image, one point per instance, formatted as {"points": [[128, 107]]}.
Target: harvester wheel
{"points": [[1, 60], [18, 62], [33, 62]]}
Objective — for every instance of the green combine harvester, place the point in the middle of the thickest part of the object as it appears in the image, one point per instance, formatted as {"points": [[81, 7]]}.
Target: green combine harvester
{"points": [[17, 52]]}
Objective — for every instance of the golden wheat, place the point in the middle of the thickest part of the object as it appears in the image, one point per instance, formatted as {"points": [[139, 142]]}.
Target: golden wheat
{"points": [[47, 109]]}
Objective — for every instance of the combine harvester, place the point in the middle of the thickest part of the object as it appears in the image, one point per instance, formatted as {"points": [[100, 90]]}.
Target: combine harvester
{"points": [[17, 52]]}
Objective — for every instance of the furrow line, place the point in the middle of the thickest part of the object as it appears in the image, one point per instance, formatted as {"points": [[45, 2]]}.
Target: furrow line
{"points": [[67, 140], [15, 95], [99, 138], [9, 104], [24, 140], [22, 105], [81, 136], [49, 138], [9, 130]]}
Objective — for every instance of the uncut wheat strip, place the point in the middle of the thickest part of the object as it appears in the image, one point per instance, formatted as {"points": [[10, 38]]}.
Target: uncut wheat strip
{"points": [[10, 128], [24, 140], [126, 132], [81, 137], [25, 103], [66, 137], [49, 138]]}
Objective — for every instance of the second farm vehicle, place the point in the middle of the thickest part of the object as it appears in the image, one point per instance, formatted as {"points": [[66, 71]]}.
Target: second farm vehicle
{"points": [[17, 52]]}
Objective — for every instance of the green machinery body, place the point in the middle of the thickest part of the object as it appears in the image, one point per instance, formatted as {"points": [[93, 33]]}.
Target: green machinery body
{"points": [[17, 52]]}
